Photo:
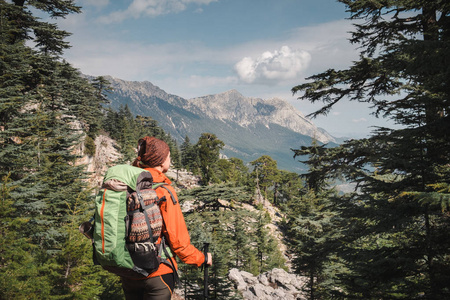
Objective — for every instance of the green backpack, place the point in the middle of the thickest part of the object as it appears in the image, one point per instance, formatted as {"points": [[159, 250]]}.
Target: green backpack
{"points": [[128, 222]]}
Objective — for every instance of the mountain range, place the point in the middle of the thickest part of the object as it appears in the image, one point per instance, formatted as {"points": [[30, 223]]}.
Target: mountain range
{"points": [[249, 127]]}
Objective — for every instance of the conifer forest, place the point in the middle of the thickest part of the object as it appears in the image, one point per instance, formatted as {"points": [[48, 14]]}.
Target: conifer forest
{"points": [[387, 238]]}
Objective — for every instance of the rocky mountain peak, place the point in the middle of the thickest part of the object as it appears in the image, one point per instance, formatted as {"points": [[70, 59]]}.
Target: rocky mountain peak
{"points": [[247, 111], [232, 94], [249, 126], [139, 91]]}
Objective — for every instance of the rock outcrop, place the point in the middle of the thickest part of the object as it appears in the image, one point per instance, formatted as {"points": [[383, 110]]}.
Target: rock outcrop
{"points": [[106, 154], [183, 179], [272, 285]]}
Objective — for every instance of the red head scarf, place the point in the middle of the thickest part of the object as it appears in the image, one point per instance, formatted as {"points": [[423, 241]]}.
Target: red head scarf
{"points": [[152, 152]]}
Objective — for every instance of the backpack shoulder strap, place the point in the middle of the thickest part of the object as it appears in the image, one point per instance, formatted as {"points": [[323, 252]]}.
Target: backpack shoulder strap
{"points": [[164, 185]]}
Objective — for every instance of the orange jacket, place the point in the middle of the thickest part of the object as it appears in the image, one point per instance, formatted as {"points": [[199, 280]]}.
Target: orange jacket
{"points": [[174, 228]]}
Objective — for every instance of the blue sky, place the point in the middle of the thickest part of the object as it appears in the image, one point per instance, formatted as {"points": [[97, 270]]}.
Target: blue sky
{"points": [[192, 48]]}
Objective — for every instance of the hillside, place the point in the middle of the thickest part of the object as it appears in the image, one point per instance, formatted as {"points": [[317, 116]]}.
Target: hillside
{"points": [[249, 127], [273, 284]]}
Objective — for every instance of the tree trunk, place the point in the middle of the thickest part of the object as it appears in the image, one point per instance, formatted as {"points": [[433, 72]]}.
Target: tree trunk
{"points": [[311, 286], [433, 113]]}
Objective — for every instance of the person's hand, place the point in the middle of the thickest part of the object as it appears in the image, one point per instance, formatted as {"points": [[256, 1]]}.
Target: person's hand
{"points": [[209, 260]]}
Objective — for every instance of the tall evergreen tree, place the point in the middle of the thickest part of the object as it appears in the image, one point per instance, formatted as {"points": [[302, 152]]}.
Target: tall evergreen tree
{"points": [[268, 254], [189, 156], [291, 186], [127, 133], [313, 231], [43, 102], [399, 247], [175, 154], [208, 147], [265, 172], [102, 86], [110, 122]]}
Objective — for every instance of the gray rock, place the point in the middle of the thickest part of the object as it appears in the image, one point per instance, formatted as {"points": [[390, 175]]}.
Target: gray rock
{"points": [[248, 295], [249, 278], [236, 277], [263, 279], [276, 284], [259, 291]]}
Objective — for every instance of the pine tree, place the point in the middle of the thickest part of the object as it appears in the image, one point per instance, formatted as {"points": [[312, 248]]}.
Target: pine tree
{"points": [[239, 241], [42, 101], [233, 234], [220, 286], [127, 133], [291, 186], [189, 156], [268, 254], [102, 87], [110, 122], [232, 170], [146, 126], [265, 172], [397, 246], [175, 155], [208, 147], [313, 232], [16, 250]]}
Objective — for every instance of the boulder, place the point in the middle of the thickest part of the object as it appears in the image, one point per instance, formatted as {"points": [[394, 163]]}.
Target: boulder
{"points": [[272, 285]]}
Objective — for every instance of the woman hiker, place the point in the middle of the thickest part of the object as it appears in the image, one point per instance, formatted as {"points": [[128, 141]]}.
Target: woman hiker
{"points": [[154, 156]]}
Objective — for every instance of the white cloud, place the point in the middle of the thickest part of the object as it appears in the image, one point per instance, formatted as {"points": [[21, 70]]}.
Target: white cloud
{"points": [[272, 67], [151, 8]]}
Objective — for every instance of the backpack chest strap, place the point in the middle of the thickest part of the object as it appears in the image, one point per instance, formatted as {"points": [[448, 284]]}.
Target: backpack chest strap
{"points": [[164, 185]]}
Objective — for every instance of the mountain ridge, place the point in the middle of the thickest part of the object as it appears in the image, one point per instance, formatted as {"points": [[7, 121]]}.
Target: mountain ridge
{"points": [[256, 109], [250, 127]]}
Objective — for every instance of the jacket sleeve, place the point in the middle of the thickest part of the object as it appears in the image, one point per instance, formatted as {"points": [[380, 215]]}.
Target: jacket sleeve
{"points": [[177, 233]]}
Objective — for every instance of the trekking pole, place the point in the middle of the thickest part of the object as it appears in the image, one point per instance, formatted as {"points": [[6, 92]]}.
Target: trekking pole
{"points": [[205, 277]]}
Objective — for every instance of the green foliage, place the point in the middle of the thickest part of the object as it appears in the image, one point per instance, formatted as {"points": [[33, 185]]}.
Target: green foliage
{"points": [[394, 242], [208, 147], [89, 146], [126, 129], [239, 237], [267, 253], [289, 188], [313, 230], [233, 170], [189, 156], [265, 173], [17, 262], [175, 153], [208, 196], [45, 109]]}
